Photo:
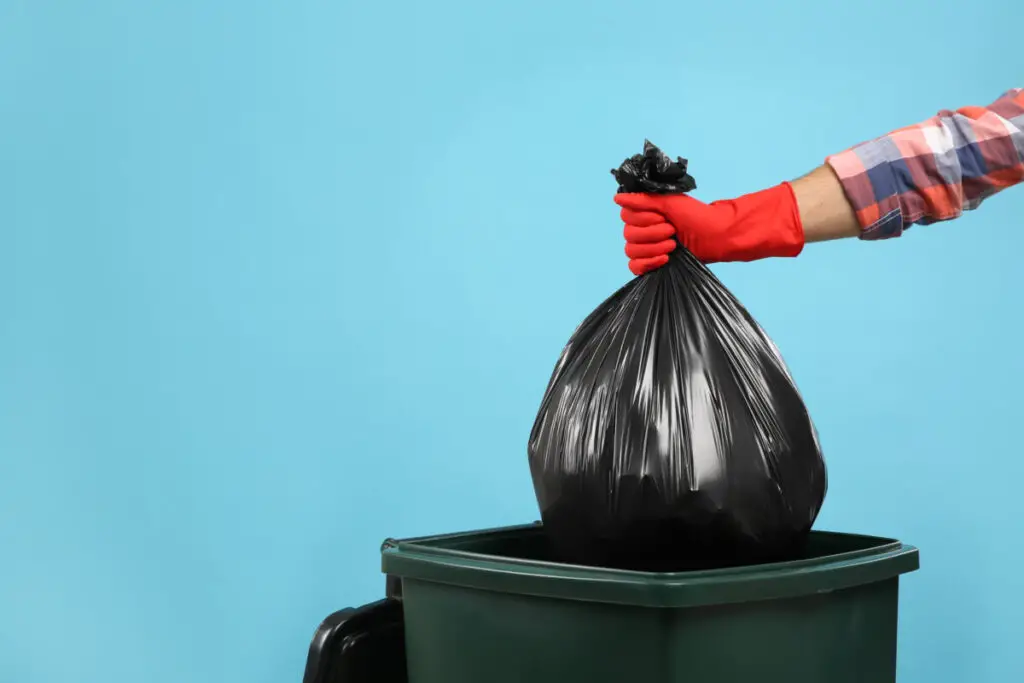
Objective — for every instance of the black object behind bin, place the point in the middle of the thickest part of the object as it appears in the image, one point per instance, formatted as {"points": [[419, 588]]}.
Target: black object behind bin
{"points": [[361, 645]]}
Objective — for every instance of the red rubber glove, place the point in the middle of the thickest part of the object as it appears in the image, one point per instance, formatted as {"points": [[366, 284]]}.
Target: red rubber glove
{"points": [[752, 227]]}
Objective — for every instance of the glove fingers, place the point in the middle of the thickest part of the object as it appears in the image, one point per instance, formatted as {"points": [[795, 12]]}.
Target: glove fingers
{"points": [[659, 232], [647, 251], [641, 218], [638, 202], [641, 266]]}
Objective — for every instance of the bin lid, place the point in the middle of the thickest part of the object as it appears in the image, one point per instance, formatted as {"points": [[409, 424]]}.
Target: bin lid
{"points": [[514, 560]]}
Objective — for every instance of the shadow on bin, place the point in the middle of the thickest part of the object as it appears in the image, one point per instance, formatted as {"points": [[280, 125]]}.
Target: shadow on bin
{"points": [[488, 606]]}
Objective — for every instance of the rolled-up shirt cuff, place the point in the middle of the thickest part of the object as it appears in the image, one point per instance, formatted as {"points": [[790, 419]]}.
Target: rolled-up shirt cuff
{"points": [[869, 182]]}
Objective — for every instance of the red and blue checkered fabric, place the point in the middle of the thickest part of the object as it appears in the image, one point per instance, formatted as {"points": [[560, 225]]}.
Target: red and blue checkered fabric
{"points": [[935, 170]]}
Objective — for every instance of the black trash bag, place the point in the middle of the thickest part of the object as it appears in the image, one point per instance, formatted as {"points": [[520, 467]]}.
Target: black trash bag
{"points": [[671, 435]]}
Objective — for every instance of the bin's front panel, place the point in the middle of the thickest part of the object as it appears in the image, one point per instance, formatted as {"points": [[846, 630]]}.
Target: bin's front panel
{"points": [[847, 636], [460, 635]]}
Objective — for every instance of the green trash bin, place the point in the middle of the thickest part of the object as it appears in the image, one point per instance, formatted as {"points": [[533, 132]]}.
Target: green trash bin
{"points": [[488, 607]]}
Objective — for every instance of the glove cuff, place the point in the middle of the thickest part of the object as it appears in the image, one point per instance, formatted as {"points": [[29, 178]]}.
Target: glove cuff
{"points": [[767, 224]]}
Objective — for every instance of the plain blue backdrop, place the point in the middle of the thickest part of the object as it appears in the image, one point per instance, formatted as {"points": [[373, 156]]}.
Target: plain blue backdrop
{"points": [[281, 279]]}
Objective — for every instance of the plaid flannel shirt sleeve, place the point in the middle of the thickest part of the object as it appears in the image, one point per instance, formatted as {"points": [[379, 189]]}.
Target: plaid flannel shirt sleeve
{"points": [[935, 170]]}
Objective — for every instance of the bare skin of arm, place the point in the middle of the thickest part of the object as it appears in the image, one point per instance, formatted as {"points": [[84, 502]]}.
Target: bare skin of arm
{"points": [[825, 212]]}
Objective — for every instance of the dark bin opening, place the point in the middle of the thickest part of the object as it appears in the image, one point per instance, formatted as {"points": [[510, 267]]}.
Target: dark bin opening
{"points": [[666, 544], [531, 543]]}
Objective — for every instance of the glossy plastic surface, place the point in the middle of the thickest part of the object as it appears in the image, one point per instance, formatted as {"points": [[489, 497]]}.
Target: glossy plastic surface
{"points": [[491, 606], [363, 645], [671, 435]]}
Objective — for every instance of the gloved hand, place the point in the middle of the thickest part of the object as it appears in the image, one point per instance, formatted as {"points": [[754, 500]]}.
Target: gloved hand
{"points": [[752, 227]]}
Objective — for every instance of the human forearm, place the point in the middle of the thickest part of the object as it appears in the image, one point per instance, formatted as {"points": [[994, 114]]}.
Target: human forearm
{"points": [[825, 212], [921, 174]]}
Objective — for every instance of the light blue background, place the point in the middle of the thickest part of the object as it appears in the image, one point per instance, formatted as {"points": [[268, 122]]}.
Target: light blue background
{"points": [[278, 280]]}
